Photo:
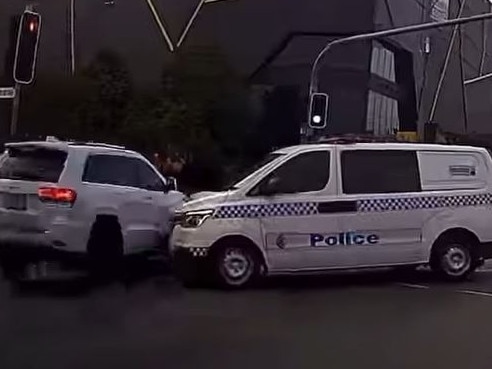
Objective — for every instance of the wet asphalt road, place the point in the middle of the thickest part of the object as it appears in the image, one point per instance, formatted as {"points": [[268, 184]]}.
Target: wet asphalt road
{"points": [[350, 320]]}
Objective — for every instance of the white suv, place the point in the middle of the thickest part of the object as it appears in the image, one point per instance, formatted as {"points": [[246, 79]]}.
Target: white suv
{"points": [[82, 198]]}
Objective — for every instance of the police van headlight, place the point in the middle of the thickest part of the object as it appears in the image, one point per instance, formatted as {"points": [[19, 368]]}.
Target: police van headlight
{"points": [[194, 219]]}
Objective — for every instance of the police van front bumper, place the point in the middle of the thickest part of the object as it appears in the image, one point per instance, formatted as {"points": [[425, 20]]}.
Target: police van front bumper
{"points": [[190, 261]]}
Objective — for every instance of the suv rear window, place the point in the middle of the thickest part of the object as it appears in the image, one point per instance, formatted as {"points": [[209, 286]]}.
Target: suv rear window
{"points": [[30, 163]]}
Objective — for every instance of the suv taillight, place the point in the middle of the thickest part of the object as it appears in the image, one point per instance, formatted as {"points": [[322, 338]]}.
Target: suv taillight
{"points": [[57, 195]]}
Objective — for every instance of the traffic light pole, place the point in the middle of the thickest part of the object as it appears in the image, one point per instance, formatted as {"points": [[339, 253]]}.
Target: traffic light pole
{"points": [[313, 83], [15, 110]]}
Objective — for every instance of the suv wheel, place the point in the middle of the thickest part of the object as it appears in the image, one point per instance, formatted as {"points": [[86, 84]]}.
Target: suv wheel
{"points": [[105, 247], [453, 258]]}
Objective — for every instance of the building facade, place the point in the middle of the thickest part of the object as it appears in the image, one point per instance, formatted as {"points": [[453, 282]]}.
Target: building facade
{"points": [[380, 86]]}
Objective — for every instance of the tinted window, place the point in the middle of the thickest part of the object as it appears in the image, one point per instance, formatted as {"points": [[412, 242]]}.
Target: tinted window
{"points": [[304, 173], [245, 174], [107, 169], [372, 171], [147, 177], [30, 163]]}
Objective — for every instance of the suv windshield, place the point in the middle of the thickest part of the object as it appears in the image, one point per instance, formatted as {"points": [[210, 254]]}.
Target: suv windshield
{"points": [[29, 163], [243, 176]]}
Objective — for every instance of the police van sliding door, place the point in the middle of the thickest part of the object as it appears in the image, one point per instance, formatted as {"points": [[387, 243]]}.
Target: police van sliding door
{"points": [[295, 231], [384, 189]]}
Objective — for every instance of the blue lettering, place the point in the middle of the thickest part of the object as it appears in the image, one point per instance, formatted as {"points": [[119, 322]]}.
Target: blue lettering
{"points": [[343, 239], [315, 238], [358, 239], [331, 241]]}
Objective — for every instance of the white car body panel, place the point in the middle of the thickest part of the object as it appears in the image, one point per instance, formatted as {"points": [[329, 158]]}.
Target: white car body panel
{"points": [[383, 229], [145, 216]]}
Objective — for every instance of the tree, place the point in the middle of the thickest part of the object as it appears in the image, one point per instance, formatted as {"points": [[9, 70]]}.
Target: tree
{"points": [[104, 111], [48, 106], [203, 78]]}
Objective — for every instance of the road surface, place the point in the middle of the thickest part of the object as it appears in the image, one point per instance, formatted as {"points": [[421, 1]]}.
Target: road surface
{"points": [[345, 320]]}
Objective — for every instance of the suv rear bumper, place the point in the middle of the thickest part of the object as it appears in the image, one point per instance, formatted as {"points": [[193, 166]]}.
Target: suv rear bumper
{"points": [[24, 239]]}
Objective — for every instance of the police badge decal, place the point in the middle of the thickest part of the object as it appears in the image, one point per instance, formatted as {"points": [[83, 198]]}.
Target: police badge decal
{"points": [[280, 242]]}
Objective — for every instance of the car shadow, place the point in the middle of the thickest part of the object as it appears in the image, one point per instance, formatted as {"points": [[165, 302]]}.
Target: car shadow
{"points": [[350, 279], [81, 283]]}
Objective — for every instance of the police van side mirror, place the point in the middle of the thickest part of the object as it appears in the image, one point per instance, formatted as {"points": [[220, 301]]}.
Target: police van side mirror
{"points": [[318, 110]]}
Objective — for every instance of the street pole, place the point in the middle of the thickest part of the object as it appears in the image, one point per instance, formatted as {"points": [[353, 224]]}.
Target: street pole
{"points": [[72, 37], [313, 82], [15, 110]]}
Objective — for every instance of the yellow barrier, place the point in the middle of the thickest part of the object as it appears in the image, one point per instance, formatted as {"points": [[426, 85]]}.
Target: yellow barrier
{"points": [[409, 136]]}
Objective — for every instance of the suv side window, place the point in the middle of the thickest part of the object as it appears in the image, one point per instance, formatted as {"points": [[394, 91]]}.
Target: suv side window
{"points": [[378, 171], [306, 172], [147, 177], [111, 169]]}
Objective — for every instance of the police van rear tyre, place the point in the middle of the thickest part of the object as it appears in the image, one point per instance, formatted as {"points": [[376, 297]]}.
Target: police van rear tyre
{"points": [[236, 266], [453, 258]]}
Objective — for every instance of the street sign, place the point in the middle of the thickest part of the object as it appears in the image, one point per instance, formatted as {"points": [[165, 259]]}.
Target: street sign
{"points": [[7, 92]]}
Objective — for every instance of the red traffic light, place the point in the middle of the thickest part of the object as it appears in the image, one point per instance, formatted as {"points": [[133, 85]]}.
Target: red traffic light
{"points": [[27, 47], [33, 26]]}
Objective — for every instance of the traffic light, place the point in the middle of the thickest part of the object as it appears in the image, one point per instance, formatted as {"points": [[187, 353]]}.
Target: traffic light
{"points": [[318, 110], [27, 47]]}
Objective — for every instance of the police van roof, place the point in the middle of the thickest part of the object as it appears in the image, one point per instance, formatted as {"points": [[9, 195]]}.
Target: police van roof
{"points": [[382, 146]]}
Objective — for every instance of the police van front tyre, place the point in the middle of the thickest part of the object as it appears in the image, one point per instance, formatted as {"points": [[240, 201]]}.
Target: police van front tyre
{"points": [[236, 267], [453, 258]]}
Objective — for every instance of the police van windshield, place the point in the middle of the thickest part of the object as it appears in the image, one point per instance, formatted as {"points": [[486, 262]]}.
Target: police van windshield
{"points": [[250, 172]]}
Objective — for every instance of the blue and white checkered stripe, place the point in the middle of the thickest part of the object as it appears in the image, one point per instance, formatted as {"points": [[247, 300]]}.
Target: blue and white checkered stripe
{"points": [[363, 206], [426, 202], [267, 210]]}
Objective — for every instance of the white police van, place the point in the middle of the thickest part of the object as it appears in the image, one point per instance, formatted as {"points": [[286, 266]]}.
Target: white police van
{"points": [[342, 206]]}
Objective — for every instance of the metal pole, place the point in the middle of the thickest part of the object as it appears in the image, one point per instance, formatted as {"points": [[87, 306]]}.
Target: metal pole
{"points": [[190, 22], [15, 110], [158, 20], [478, 79], [391, 32], [445, 67], [72, 37]]}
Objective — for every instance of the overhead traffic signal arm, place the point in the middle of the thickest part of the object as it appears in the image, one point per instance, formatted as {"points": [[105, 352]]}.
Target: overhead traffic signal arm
{"points": [[27, 47]]}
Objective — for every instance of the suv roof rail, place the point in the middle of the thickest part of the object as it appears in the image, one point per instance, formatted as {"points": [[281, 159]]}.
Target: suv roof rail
{"points": [[96, 144]]}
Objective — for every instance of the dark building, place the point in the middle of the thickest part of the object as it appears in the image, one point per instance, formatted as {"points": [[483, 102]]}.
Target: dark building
{"points": [[380, 86]]}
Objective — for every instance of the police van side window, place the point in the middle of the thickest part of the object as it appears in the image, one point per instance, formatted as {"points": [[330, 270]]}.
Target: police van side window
{"points": [[305, 172], [378, 171]]}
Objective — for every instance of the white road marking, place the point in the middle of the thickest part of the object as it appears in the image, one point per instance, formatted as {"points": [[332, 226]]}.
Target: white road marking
{"points": [[410, 285], [477, 293]]}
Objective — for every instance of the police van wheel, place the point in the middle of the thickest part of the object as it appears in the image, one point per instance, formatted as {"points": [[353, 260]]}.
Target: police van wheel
{"points": [[236, 266], [453, 258]]}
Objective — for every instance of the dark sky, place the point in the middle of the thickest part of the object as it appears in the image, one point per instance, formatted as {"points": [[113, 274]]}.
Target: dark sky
{"points": [[246, 30]]}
